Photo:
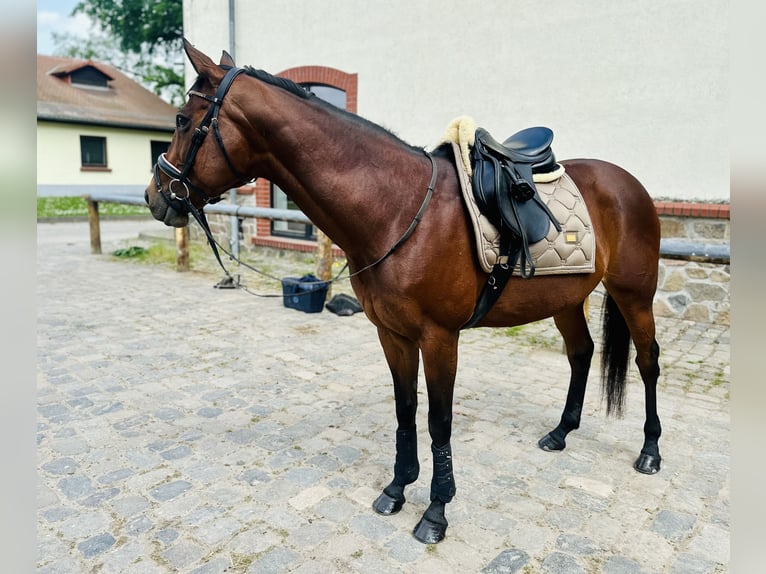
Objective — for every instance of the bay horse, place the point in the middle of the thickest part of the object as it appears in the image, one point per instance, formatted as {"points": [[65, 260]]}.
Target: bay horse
{"points": [[365, 188]]}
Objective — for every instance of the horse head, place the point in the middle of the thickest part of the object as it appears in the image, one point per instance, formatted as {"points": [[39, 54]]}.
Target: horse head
{"points": [[197, 169]]}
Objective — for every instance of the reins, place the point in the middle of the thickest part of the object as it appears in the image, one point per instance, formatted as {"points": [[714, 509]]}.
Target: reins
{"points": [[199, 216]]}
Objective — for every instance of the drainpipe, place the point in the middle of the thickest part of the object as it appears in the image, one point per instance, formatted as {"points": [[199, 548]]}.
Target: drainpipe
{"points": [[231, 30], [234, 236]]}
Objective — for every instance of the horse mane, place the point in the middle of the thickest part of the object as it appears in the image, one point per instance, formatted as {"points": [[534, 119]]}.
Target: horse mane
{"points": [[306, 94], [283, 83]]}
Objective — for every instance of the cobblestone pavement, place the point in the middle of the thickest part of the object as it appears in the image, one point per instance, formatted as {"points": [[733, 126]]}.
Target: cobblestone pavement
{"points": [[183, 428]]}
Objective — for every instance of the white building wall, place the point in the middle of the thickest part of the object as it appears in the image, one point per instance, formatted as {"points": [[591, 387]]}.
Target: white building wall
{"points": [[641, 84], [58, 159]]}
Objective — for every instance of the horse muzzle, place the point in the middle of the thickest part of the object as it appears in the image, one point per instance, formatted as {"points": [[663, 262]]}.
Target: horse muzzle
{"points": [[172, 212]]}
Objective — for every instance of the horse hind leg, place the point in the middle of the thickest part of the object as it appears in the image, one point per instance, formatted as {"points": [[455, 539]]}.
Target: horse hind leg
{"points": [[630, 317], [573, 327], [648, 461]]}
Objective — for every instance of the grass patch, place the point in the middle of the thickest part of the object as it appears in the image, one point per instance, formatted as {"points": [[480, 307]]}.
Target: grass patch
{"points": [[62, 207], [155, 254], [513, 331], [164, 254], [529, 336]]}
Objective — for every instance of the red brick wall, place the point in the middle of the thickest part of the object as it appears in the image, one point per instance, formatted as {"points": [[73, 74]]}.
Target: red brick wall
{"points": [[693, 209]]}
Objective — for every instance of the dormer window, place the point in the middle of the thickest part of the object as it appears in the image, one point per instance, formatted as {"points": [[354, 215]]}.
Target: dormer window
{"points": [[88, 77], [84, 75]]}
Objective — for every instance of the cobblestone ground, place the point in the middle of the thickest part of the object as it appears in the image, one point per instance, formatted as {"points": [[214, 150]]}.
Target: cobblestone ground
{"points": [[183, 428]]}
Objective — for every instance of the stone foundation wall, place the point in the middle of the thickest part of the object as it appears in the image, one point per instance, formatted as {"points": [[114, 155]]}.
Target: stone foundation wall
{"points": [[693, 290]]}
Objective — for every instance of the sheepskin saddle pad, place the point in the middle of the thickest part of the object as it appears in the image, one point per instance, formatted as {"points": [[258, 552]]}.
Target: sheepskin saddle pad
{"points": [[570, 250]]}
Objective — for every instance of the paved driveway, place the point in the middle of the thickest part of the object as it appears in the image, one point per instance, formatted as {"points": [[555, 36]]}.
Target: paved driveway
{"points": [[183, 428]]}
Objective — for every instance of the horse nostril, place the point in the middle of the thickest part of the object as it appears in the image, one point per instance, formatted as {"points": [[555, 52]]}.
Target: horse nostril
{"points": [[146, 197]]}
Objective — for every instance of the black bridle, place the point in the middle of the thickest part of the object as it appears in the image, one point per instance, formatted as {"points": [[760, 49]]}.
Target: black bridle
{"points": [[179, 189]]}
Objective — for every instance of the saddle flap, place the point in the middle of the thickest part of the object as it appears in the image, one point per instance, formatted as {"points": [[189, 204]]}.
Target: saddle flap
{"points": [[506, 194], [535, 220]]}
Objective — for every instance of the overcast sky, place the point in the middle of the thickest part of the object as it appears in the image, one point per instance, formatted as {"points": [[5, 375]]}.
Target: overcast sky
{"points": [[54, 16]]}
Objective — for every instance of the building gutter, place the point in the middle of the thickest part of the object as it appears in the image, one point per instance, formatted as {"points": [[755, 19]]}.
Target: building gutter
{"points": [[105, 123]]}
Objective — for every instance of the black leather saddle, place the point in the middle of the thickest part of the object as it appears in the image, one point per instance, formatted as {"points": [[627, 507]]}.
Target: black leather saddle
{"points": [[504, 188], [531, 146]]}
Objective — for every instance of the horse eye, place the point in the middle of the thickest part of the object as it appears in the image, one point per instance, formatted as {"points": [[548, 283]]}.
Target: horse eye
{"points": [[181, 121]]}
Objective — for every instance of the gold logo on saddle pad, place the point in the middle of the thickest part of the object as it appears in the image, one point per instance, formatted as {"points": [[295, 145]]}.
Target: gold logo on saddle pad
{"points": [[571, 237]]}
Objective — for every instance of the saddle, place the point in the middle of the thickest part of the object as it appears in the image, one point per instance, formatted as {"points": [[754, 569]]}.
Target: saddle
{"points": [[504, 189]]}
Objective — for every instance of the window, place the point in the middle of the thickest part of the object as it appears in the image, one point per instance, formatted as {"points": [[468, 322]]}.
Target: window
{"points": [[278, 198], [89, 77], [93, 152], [329, 94], [157, 148]]}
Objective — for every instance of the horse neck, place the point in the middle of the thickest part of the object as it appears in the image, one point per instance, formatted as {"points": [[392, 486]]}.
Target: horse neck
{"points": [[354, 181]]}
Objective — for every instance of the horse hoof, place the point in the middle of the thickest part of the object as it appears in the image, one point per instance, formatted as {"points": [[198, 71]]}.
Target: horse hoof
{"points": [[387, 505], [429, 532], [647, 463], [550, 444]]}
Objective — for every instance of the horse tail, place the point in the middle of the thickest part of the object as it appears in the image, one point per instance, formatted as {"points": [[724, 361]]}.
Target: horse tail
{"points": [[614, 356]]}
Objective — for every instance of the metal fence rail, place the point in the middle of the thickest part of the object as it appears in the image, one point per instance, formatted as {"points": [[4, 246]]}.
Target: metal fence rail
{"points": [[669, 248], [182, 234]]}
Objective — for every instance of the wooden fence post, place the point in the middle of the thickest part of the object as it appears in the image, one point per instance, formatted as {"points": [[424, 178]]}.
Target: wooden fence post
{"points": [[182, 248], [324, 259], [95, 226]]}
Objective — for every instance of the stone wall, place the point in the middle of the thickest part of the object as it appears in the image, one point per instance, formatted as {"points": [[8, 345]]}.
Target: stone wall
{"points": [[694, 290]]}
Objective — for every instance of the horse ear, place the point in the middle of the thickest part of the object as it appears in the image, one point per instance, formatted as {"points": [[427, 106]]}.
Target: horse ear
{"points": [[227, 60], [202, 64]]}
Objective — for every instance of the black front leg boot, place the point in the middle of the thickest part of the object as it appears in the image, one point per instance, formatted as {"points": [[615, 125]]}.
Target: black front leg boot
{"points": [[432, 528], [406, 471]]}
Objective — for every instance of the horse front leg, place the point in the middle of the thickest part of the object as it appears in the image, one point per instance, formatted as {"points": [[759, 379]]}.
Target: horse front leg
{"points": [[440, 365], [402, 357]]}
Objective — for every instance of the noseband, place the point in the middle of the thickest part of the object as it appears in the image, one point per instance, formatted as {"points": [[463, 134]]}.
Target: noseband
{"points": [[180, 188]]}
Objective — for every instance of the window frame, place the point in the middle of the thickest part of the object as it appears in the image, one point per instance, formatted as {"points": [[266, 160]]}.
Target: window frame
{"points": [[93, 166]]}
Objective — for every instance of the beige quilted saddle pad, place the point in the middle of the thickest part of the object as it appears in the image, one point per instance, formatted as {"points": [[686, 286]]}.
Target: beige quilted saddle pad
{"points": [[572, 250]]}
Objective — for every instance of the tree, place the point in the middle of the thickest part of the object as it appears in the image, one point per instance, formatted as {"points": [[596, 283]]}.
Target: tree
{"points": [[143, 38]]}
